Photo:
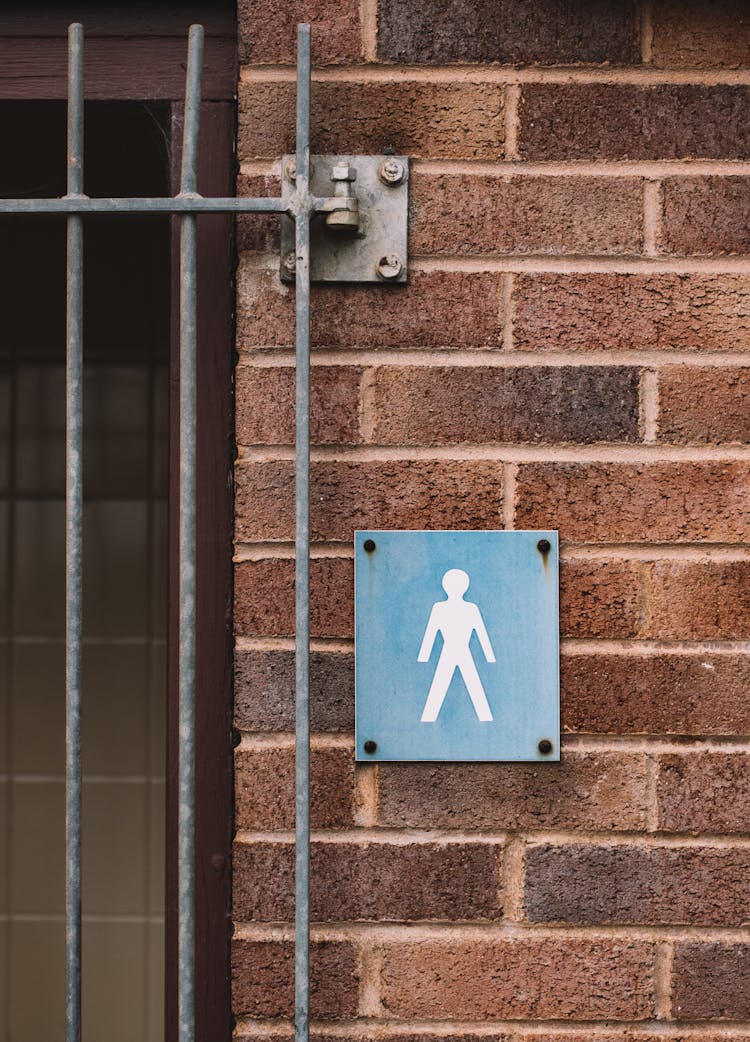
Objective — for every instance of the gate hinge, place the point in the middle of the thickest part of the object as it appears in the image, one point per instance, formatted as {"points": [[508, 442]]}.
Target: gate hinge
{"points": [[360, 232]]}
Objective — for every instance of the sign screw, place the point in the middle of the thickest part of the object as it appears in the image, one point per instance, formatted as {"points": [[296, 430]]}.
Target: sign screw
{"points": [[368, 545], [545, 746], [392, 172], [290, 264], [370, 746], [544, 546], [389, 267]]}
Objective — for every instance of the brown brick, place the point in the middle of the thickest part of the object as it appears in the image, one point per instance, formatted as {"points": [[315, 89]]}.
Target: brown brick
{"points": [[690, 34], [469, 215], [622, 121], [440, 309], [547, 33], [426, 120], [583, 791], [599, 598], [711, 980], [256, 231], [264, 690], [394, 882], [268, 31], [706, 216], [265, 405], [264, 598], [636, 502], [622, 884], [441, 405], [264, 788], [698, 405], [656, 694], [631, 312], [549, 977], [263, 979], [349, 496], [706, 600], [704, 792]]}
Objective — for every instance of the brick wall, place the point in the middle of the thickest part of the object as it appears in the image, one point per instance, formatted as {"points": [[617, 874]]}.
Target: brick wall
{"points": [[572, 351]]}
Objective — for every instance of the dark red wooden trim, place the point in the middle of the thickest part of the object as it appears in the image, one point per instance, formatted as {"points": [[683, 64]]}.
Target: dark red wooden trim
{"points": [[214, 781]]}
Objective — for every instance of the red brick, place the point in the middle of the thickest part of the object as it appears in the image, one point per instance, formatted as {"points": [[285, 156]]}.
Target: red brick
{"points": [[622, 121], [441, 310], [711, 980], [348, 496], [547, 33], [263, 979], [532, 978], [636, 502], [706, 216], [656, 694], [583, 791], [256, 231], [268, 31], [426, 120], [585, 884], [264, 788], [373, 882], [704, 792], [264, 598], [265, 405], [631, 312], [599, 598], [690, 34], [441, 405], [699, 405], [705, 600], [264, 690], [469, 215]]}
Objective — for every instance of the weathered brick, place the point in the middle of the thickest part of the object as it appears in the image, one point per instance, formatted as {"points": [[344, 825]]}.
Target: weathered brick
{"points": [[440, 309], [599, 598], [263, 979], [395, 882], [702, 404], [704, 792], [443, 405], [622, 121], [426, 120], [264, 597], [582, 791], [631, 312], [549, 977], [264, 788], [265, 405], [690, 34], [628, 884], [704, 600], [258, 232], [656, 694], [636, 502], [711, 980], [268, 31], [348, 496], [547, 33], [705, 216], [470, 214], [264, 690]]}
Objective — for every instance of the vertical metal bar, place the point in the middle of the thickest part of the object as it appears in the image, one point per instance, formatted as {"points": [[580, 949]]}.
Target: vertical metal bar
{"points": [[302, 546], [73, 542], [186, 668]]}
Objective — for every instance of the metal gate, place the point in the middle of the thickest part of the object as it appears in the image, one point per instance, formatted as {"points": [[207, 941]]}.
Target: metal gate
{"points": [[300, 205]]}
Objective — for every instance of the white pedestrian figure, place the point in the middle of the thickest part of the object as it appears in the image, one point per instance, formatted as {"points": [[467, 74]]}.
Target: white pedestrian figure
{"points": [[456, 619]]}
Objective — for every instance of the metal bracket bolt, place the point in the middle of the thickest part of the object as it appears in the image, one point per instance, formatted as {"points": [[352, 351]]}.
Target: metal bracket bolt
{"points": [[346, 220], [392, 172], [389, 267]]}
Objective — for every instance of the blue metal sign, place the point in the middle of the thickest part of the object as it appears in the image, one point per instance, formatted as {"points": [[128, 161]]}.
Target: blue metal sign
{"points": [[457, 646]]}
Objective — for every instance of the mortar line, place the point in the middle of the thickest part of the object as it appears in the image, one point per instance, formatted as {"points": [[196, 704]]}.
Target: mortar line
{"points": [[652, 792], [513, 879], [663, 962], [493, 357], [510, 472], [506, 306], [367, 406], [370, 966], [506, 452], [647, 31], [368, 13], [652, 202], [512, 98], [649, 401], [365, 794]]}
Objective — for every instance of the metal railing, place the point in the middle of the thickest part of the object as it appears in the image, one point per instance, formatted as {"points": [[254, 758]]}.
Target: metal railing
{"points": [[188, 205]]}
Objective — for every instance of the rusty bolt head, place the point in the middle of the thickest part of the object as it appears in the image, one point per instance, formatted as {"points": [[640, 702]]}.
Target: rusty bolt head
{"points": [[290, 263], [370, 746], [392, 172], [389, 267], [545, 746], [343, 172]]}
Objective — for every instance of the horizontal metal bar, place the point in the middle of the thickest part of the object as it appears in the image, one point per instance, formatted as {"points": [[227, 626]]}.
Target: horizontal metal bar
{"points": [[179, 204]]}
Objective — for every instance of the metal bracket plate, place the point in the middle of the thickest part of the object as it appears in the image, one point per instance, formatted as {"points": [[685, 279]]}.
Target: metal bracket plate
{"points": [[377, 251]]}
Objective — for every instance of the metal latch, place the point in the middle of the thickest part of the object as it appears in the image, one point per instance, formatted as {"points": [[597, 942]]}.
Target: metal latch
{"points": [[359, 233]]}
